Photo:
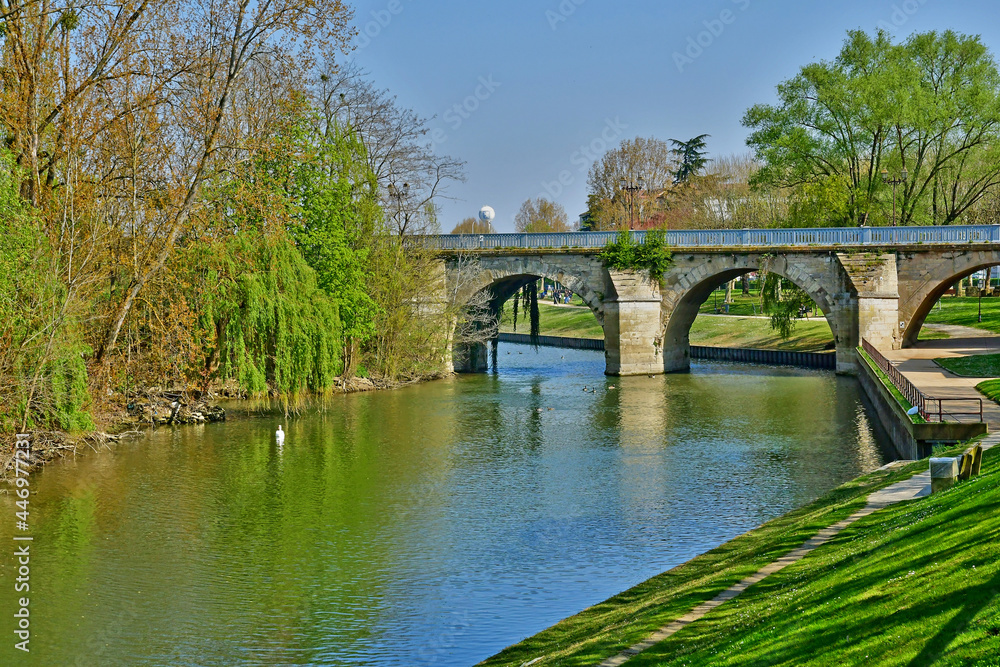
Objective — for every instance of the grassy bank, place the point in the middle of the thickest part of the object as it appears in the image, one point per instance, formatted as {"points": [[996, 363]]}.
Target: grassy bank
{"points": [[891, 387], [990, 389], [808, 336], [916, 584], [964, 312], [572, 321], [744, 327], [812, 335]]}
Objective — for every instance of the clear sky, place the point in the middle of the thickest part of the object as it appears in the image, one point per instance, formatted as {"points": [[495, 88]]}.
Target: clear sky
{"points": [[544, 86]]}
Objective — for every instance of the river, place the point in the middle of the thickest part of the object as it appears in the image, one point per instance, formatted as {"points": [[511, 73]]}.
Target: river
{"points": [[432, 525]]}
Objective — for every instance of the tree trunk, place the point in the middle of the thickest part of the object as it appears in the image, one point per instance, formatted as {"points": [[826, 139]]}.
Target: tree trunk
{"points": [[745, 284], [960, 288], [989, 278], [729, 291]]}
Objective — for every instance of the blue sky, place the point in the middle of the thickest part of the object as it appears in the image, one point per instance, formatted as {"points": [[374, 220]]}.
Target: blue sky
{"points": [[544, 86]]}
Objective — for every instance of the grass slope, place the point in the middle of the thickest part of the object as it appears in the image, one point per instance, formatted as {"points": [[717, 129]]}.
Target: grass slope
{"points": [[976, 366], [579, 322], [808, 336], [611, 626], [990, 389], [915, 584], [965, 312], [569, 321]]}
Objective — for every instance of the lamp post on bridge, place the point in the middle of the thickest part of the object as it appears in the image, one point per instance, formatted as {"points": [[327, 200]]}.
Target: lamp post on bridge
{"points": [[631, 188], [894, 182]]}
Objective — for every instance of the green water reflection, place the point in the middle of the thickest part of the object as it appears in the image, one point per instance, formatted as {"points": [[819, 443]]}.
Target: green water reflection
{"points": [[431, 525]]}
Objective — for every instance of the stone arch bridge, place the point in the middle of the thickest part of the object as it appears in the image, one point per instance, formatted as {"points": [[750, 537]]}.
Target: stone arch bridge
{"points": [[872, 283]]}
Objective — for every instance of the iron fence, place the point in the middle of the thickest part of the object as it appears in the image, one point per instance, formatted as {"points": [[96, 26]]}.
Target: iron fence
{"points": [[730, 238], [929, 406]]}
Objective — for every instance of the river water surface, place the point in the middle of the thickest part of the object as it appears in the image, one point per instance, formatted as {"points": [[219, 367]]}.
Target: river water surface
{"points": [[432, 525]]}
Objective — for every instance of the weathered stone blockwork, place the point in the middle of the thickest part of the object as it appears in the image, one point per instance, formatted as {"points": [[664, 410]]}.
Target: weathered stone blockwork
{"points": [[881, 296]]}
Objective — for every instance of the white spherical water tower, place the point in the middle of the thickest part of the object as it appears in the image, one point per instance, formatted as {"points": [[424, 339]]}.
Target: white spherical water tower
{"points": [[487, 214]]}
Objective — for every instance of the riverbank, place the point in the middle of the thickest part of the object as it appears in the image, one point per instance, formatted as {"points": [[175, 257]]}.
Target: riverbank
{"points": [[745, 327], [911, 584], [575, 321], [491, 514], [123, 417]]}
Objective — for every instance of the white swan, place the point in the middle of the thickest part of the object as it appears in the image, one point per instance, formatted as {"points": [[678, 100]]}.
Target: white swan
{"points": [[279, 435]]}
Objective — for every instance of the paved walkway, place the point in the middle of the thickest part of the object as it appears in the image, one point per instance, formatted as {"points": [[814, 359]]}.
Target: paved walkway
{"points": [[917, 364], [915, 487]]}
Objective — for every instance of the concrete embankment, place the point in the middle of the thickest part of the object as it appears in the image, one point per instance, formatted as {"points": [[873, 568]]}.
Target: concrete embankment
{"points": [[817, 360], [909, 439]]}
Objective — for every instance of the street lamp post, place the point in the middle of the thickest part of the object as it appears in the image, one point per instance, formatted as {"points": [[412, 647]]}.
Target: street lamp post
{"points": [[982, 288], [894, 182], [631, 188]]}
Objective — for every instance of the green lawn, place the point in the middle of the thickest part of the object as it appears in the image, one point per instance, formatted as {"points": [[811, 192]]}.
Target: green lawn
{"points": [[808, 336], [990, 389], [926, 333], [976, 366], [742, 305], [911, 585], [965, 312], [579, 322], [569, 321], [915, 584]]}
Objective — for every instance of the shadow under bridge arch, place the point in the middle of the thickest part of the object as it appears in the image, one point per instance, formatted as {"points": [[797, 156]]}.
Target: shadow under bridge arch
{"points": [[494, 280], [692, 279]]}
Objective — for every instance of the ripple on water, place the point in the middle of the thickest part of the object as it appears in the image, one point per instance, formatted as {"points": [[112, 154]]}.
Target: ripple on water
{"points": [[428, 526]]}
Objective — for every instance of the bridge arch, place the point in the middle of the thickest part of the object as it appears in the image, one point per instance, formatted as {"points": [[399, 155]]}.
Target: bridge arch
{"points": [[929, 283], [503, 276], [690, 282]]}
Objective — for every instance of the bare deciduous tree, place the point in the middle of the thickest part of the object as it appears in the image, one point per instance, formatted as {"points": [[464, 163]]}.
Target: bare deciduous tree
{"points": [[395, 138]]}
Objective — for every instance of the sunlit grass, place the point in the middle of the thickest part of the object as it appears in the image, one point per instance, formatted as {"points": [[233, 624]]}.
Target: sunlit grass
{"points": [[611, 626], [976, 366], [914, 584], [811, 335], [990, 389], [964, 312]]}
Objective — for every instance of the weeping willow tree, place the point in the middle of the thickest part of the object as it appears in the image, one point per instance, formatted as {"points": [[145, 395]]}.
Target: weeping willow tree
{"points": [[783, 301], [532, 289], [340, 230], [526, 299], [266, 324], [265, 321]]}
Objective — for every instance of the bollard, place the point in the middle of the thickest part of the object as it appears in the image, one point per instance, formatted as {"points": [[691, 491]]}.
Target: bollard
{"points": [[977, 459], [944, 472]]}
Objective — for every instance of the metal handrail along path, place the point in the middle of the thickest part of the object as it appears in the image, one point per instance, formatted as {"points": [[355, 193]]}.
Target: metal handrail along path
{"points": [[917, 398], [731, 238]]}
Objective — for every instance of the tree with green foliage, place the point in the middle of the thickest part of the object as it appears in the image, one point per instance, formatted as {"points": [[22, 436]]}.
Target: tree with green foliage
{"points": [[691, 155], [337, 229], [783, 301], [43, 378], [265, 322], [929, 106]]}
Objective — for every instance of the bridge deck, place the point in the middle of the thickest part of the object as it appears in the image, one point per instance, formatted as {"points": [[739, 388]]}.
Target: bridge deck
{"points": [[744, 239]]}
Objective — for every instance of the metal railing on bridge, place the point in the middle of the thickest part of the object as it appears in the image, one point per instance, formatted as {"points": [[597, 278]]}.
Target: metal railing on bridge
{"points": [[930, 408], [731, 238]]}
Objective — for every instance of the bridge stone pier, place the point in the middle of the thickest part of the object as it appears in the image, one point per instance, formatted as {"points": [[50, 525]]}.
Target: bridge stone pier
{"points": [[872, 283]]}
